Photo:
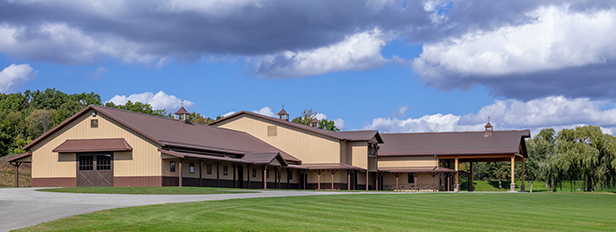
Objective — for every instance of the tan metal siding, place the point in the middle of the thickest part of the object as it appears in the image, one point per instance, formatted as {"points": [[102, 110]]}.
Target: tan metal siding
{"points": [[359, 151], [306, 146], [407, 161], [144, 160]]}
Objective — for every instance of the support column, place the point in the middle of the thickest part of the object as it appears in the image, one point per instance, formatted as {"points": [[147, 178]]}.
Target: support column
{"points": [[279, 176], [348, 180], [512, 174], [367, 180], [17, 174], [433, 174], [180, 177], [415, 180], [471, 187], [234, 179], [264, 177], [200, 173], [289, 173], [376, 174], [249, 174], [396, 174], [456, 186], [523, 186], [218, 174], [448, 183]]}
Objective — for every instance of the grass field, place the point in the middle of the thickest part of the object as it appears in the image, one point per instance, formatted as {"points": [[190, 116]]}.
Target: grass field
{"points": [[362, 212], [146, 190], [7, 174]]}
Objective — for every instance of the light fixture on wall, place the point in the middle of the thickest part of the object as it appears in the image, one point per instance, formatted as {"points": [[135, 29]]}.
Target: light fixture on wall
{"points": [[93, 113]]}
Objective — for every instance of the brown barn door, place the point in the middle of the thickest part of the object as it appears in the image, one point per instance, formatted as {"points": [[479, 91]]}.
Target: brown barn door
{"points": [[95, 170]]}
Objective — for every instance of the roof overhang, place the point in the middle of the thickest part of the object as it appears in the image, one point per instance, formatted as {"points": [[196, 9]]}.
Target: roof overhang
{"points": [[418, 170], [93, 145], [21, 158], [327, 166], [273, 158], [185, 155]]}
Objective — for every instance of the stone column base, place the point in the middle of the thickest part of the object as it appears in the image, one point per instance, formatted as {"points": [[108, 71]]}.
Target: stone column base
{"points": [[512, 187], [456, 187]]}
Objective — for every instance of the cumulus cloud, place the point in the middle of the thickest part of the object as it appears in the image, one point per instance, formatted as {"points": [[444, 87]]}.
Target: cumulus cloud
{"points": [[558, 39], [339, 123], [361, 51], [14, 74], [550, 112], [265, 111], [158, 101]]}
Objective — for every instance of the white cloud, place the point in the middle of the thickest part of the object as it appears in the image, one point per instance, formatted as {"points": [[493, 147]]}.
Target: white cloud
{"points": [[228, 113], [158, 101], [558, 38], [361, 51], [13, 74], [98, 73], [551, 112], [339, 123], [265, 111]]}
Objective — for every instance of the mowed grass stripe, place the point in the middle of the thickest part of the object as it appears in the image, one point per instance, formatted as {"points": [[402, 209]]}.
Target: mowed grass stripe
{"points": [[363, 212]]}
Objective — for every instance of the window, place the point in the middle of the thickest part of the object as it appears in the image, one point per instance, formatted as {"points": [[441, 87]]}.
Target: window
{"points": [[172, 166], [191, 168], [209, 169], [225, 170], [411, 178], [94, 123], [272, 131], [254, 172], [86, 163], [103, 162]]}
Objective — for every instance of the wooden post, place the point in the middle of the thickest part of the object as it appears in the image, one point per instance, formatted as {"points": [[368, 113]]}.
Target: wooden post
{"points": [[376, 181], [348, 180], [396, 182], [289, 173], [200, 175], [470, 178], [456, 186], [234, 179], [512, 174], [367, 180], [249, 174], [523, 177], [448, 183], [17, 174], [415, 180], [332, 180], [180, 178], [279, 176], [218, 174], [264, 176]]}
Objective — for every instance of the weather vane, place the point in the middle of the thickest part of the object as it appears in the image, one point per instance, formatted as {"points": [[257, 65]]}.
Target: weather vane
{"points": [[182, 103]]}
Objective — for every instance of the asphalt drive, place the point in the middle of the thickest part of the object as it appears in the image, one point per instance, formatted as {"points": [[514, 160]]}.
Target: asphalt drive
{"points": [[23, 207]]}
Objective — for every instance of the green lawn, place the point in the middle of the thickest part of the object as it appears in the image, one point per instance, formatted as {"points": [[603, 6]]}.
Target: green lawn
{"points": [[146, 190], [538, 186], [362, 212]]}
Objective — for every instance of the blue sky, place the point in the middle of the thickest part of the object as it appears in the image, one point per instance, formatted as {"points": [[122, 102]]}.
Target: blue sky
{"points": [[394, 66]]}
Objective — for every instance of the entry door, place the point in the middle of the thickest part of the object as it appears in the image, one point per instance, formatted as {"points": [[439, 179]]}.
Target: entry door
{"points": [[95, 170], [240, 174]]}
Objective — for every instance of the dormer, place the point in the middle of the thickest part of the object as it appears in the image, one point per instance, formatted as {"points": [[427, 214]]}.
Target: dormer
{"points": [[489, 131], [182, 115], [315, 123], [283, 115]]}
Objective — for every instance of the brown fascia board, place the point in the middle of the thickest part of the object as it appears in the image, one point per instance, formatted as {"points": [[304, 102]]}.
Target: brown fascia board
{"points": [[448, 153], [77, 115], [22, 155]]}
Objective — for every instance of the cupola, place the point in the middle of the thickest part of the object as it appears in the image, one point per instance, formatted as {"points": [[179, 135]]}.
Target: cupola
{"points": [[283, 115], [489, 130], [182, 115], [315, 123]]}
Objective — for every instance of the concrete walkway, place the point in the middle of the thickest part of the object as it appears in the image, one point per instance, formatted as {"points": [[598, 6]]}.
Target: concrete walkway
{"points": [[23, 207]]}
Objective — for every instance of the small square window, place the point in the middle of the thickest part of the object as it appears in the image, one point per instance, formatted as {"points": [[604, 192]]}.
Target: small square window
{"points": [[225, 170], [272, 131], [209, 169], [94, 123], [172, 166], [191, 168], [254, 172]]}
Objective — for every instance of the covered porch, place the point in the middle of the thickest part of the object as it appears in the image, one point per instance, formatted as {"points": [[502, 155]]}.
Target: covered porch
{"points": [[454, 161], [415, 172]]}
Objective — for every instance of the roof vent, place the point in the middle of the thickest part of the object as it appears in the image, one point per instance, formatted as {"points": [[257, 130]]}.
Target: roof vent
{"points": [[283, 114], [182, 115], [489, 130]]}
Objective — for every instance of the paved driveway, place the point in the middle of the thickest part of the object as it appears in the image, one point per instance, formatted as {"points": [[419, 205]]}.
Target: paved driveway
{"points": [[23, 207]]}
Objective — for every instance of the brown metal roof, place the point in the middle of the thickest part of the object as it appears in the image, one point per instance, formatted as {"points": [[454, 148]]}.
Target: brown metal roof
{"points": [[201, 156], [93, 145], [182, 111], [263, 158], [454, 143], [17, 157], [171, 132], [418, 170], [329, 166], [347, 135], [282, 112]]}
